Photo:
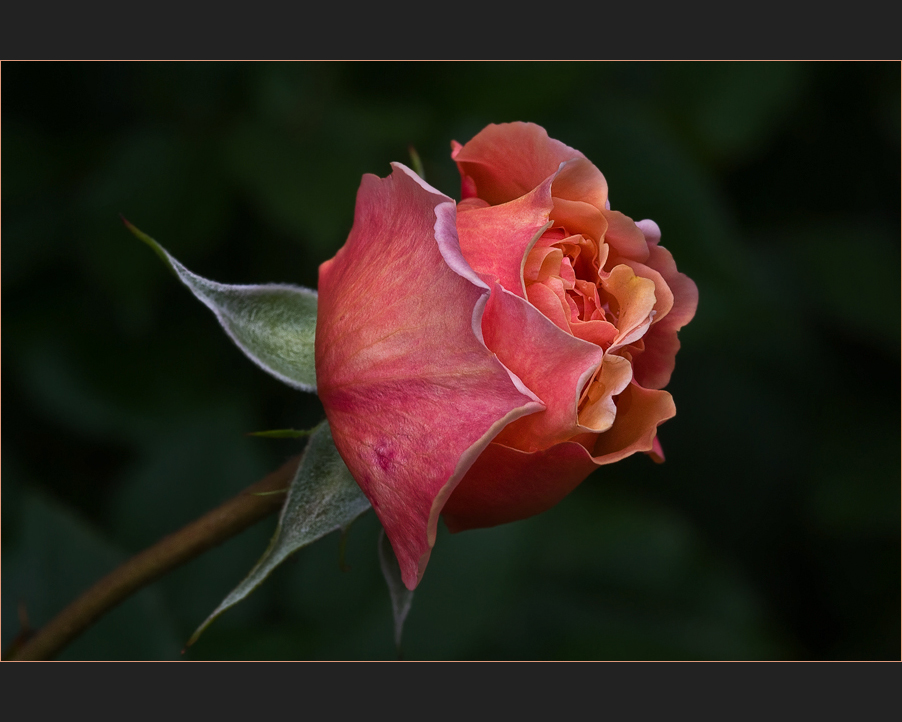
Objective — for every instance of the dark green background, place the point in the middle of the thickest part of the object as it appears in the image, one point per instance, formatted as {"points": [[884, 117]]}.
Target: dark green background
{"points": [[771, 532]]}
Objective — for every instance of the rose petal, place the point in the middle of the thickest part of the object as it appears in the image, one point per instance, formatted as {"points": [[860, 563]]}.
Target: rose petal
{"points": [[580, 180], [625, 237], [635, 297], [654, 366], [579, 217], [657, 453], [553, 364], [507, 161], [598, 332], [663, 294], [496, 239], [408, 352], [639, 413], [650, 230], [685, 292], [506, 484], [598, 410], [541, 264], [550, 304]]}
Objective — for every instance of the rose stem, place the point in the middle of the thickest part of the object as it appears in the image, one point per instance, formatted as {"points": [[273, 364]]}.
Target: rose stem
{"points": [[214, 527]]}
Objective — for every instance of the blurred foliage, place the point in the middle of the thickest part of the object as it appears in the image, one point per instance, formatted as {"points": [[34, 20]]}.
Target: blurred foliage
{"points": [[771, 532]]}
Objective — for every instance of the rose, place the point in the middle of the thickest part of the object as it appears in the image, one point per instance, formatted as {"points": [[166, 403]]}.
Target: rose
{"points": [[478, 361]]}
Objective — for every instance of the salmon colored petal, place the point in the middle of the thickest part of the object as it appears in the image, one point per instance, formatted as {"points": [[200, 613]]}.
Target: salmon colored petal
{"points": [[654, 366], [506, 484], [541, 264], [598, 410], [639, 413], [507, 161], [663, 294], [685, 292], [580, 180], [496, 239], [625, 237], [657, 453], [468, 204], [601, 333], [410, 390], [555, 369], [579, 217], [635, 297], [551, 306]]}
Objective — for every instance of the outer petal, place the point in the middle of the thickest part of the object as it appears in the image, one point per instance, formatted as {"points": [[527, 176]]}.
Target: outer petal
{"points": [[507, 161], [505, 484], [685, 292], [639, 413], [655, 364], [410, 390], [496, 239], [624, 237]]}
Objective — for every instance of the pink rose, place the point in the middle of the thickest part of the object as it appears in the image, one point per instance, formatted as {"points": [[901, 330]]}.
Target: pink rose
{"points": [[480, 360]]}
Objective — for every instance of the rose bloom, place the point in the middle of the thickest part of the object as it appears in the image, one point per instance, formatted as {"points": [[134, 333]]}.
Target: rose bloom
{"points": [[479, 360]]}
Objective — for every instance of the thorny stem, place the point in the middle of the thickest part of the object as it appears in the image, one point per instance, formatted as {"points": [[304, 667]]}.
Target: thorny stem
{"points": [[214, 527]]}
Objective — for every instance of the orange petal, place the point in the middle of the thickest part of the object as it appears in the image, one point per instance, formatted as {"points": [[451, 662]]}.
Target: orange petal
{"points": [[579, 217], [554, 365], [580, 180], [635, 299], [663, 294], [598, 332], [496, 239], [654, 366], [542, 263], [639, 413], [506, 484], [598, 410], [507, 161], [625, 237], [550, 304]]}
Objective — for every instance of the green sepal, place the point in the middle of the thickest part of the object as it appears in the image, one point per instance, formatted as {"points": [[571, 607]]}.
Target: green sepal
{"points": [[323, 497], [274, 324]]}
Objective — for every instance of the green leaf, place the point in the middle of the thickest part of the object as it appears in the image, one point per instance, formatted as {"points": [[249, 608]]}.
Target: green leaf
{"points": [[401, 596], [273, 324], [323, 497]]}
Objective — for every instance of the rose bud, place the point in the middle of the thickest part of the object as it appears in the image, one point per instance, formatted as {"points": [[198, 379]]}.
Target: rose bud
{"points": [[479, 361]]}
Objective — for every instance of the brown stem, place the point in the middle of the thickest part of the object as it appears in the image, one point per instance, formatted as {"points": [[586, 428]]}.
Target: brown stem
{"points": [[213, 528]]}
